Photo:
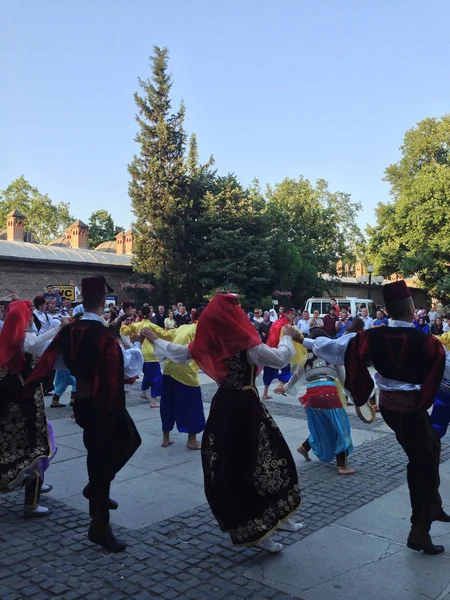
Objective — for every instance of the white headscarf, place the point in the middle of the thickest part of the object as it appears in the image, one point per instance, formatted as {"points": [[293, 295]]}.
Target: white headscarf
{"points": [[273, 316]]}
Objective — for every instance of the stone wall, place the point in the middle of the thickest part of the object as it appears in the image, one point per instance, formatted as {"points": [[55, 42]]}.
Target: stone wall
{"points": [[28, 279]]}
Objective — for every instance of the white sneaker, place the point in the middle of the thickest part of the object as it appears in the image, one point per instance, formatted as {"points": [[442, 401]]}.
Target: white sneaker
{"points": [[39, 511], [290, 525], [269, 545], [45, 489]]}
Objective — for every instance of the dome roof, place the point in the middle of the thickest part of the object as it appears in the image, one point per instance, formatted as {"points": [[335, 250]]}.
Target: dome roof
{"points": [[60, 241], [109, 246]]}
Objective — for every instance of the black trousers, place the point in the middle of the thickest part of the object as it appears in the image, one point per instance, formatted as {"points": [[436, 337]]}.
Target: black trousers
{"points": [[341, 458], [422, 446], [110, 442]]}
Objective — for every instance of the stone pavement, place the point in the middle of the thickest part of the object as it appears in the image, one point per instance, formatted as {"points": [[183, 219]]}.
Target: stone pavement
{"points": [[352, 545]]}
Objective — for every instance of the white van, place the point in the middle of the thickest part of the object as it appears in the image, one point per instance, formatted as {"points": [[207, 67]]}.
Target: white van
{"points": [[353, 305]]}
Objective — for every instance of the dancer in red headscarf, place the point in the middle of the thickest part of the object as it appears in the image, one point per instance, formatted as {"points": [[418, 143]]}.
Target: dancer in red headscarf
{"points": [[283, 375], [26, 438], [250, 476]]}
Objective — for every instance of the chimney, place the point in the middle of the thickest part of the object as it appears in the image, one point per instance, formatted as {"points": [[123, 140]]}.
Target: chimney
{"points": [[77, 235], [339, 268], [120, 243], [129, 241], [15, 226]]}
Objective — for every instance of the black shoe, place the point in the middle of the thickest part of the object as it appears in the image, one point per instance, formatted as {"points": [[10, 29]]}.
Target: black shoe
{"points": [[112, 504], [428, 548], [106, 539], [443, 517]]}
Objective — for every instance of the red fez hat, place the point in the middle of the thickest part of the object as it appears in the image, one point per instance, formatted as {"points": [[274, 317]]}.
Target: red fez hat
{"points": [[94, 286], [126, 304], [395, 291], [39, 301]]}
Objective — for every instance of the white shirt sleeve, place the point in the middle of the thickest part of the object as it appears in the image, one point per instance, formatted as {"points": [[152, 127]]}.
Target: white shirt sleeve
{"points": [[36, 344], [176, 352], [292, 386], [277, 358], [333, 351], [133, 361]]}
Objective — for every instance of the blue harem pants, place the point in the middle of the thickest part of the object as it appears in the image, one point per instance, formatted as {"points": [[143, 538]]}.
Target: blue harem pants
{"points": [[181, 404]]}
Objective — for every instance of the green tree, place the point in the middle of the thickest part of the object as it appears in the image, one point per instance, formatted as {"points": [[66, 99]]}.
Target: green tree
{"points": [[234, 253], [158, 185], [412, 233], [319, 223], [45, 220], [101, 228]]}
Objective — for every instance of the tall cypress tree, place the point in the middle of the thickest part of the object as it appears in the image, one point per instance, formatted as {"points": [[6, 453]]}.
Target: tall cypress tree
{"points": [[158, 185]]}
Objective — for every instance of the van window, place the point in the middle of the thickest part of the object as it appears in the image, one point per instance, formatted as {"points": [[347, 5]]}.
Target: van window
{"points": [[346, 305], [316, 306], [370, 307]]}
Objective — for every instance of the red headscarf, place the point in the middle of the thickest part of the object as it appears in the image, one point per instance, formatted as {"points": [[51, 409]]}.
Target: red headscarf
{"points": [[12, 335], [275, 330], [222, 331]]}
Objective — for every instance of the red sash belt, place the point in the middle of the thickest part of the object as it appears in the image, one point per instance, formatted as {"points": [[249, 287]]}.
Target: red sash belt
{"points": [[323, 396]]}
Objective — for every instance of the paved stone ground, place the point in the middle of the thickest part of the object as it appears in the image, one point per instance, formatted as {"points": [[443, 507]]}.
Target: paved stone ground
{"points": [[185, 556]]}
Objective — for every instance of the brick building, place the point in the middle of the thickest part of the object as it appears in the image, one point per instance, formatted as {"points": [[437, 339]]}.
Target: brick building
{"points": [[26, 268]]}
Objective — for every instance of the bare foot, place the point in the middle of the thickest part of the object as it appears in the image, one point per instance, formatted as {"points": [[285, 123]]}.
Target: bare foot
{"points": [[154, 404], [194, 445], [304, 453], [346, 471], [266, 397], [144, 396], [166, 442]]}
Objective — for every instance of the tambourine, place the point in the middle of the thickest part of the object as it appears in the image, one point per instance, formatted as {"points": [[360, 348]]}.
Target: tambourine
{"points": [[367, 412]]}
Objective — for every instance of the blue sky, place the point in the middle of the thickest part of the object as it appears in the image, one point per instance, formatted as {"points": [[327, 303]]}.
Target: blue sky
{"points": [[273, 89]]}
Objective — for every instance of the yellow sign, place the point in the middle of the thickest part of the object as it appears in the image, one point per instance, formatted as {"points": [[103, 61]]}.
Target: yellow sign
{"points": [[67, 291]]}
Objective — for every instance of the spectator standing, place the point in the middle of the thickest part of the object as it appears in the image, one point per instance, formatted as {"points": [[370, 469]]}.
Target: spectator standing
{"points": [[303, 323], [335, 305], [160, 317], [432, 315], [381, 320], [42, 320], [329, 322], [438, 327], [49, 294], [76, 290], [258, 315], [422, 325], [367, 320], [182, 318], [52, 310], [65, 308], [58, 297], [316, 321], [169, 322], [264, 327], [344, 323]]}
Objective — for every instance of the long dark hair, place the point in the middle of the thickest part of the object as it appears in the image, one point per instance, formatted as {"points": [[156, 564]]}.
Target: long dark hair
{"points": [[356, 326]]}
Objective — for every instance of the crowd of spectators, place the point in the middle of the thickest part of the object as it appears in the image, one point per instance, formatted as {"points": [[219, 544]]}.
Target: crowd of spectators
{"points": [[338, 320]]}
